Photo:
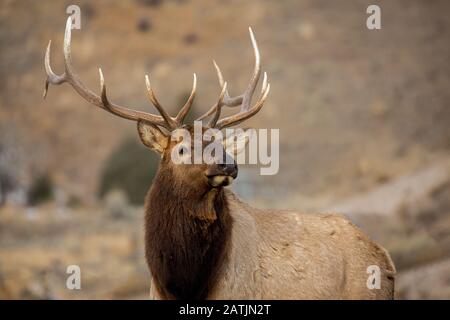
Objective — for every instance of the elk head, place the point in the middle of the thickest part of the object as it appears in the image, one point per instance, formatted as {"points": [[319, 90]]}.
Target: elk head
{"points": [[157, 131]]}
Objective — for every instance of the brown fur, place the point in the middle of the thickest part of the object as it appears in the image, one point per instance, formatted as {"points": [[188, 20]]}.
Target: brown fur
{"points": [[186, 236]]}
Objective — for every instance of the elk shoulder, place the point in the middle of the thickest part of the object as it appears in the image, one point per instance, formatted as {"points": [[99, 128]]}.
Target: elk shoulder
{"points": [[290, 255]]}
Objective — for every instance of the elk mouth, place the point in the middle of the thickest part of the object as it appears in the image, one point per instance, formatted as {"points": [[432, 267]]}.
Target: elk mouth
{"points": [[221, 175], [221, 179]]}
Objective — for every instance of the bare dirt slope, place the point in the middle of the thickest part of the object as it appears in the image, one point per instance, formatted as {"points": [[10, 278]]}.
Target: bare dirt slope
{"points": [[354, 106]]}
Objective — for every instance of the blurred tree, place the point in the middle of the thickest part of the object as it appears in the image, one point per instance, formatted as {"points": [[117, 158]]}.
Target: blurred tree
{"points": [[130, 168], [6, 185], [11, 156], [41, 190]]}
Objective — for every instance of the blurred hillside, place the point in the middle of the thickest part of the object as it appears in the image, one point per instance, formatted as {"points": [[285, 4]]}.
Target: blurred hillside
{"points": [[358, 110], [372, 101]]}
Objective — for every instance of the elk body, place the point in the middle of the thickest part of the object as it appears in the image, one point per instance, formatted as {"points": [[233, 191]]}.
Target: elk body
{"points": [[202, 242]]}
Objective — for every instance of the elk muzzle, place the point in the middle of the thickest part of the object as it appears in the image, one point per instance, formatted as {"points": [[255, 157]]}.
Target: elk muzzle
{"points": [[221, 175]]}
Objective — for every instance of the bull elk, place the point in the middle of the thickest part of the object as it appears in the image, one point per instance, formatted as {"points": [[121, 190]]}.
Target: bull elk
{"points": [[202, 242]]}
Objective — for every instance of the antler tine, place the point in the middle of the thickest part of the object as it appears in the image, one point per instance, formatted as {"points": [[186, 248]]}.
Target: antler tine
{"points": [[103, 89], [218, 106], [256, 73], [128, 114], [207, 113], [151, 95], [237, 118], [72, 78], [70, 75], [264, 84], [245, 100], [51, 76], [226, 101], [187, 106]]}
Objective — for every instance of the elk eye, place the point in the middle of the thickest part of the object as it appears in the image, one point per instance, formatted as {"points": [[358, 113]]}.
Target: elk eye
{"points": [[181, 152]]}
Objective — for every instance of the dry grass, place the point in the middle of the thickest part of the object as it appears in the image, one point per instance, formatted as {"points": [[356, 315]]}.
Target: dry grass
{"points": [[35, 253]]}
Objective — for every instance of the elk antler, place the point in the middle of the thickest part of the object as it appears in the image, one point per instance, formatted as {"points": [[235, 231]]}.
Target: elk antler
{"points": [[243, 100], [72, 78]]}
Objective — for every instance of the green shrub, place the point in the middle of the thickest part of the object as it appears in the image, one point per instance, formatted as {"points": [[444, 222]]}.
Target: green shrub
{"points": [[41, 190], [130, 168]]}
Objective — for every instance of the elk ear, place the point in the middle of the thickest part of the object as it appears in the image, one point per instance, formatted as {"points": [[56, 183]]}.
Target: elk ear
{"points": [[152, 136], [237, 140]]}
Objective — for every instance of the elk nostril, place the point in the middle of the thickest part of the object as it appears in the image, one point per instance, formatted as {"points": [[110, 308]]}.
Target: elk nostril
{"points": [[230, 168], [227, 168]]}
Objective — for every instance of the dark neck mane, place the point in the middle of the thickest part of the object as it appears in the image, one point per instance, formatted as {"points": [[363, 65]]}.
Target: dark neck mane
{"points": [[186, 237]]}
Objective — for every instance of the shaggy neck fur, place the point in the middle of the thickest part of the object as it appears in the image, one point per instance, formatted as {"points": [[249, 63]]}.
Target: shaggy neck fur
{"points": [[186, 237]]}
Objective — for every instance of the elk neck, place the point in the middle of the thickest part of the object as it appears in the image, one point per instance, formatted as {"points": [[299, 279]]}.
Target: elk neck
{"points": [[187, 234]]}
